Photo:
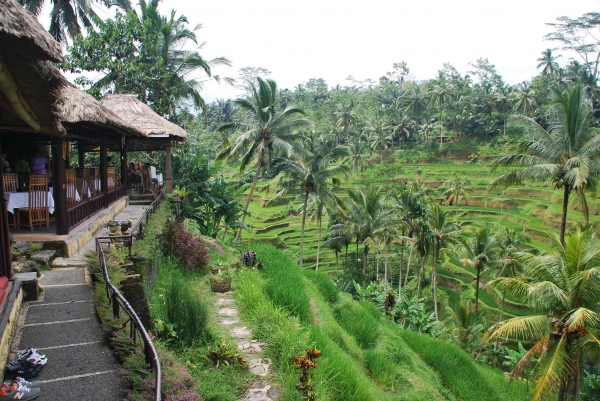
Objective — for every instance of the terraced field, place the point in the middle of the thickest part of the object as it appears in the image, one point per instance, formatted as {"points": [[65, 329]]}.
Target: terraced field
{"points": [[534, 208]]}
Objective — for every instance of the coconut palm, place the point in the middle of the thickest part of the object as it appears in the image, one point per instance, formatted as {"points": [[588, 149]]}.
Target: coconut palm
{"points": [[567, 153], [465, 325], [356, 148], [548, 62], [444, 232], [524, 98], [310, 173], [378, 136], [325, 201], [366, 215], [439, 94], [563, 285], [264, 132], [346, 118], [479, 251], [458, 186], [415, 101], [67, 17], [510, 242]]}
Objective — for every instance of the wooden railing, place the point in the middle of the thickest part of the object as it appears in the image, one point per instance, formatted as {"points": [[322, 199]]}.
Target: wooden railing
{"points": [[85, 209], [119, 303], [116, 194]]}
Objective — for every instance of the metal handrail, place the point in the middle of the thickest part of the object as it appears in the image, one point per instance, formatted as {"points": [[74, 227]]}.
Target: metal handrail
{"points": [[119, 303]]}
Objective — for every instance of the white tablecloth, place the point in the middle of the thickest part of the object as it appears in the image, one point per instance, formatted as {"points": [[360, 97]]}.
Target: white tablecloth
{"points": [[77, 197], [21, 199]]}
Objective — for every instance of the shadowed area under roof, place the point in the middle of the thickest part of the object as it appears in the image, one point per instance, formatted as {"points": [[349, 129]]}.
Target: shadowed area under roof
{"points": [[140, 115], [21, 32]]}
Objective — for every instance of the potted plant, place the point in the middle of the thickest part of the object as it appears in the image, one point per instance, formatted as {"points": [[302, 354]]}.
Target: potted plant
{"points": [[221, 282], [115, 227]]}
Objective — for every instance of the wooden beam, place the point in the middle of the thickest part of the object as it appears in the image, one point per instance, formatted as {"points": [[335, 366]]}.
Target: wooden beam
{"points": [[104, 169], [168, 173], [5, 262], [124, 162], [59, 182]]}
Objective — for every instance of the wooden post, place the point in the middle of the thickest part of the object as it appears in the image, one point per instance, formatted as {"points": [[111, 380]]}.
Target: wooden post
{"points": [[104, 169], [59, 181], [80, 154], [124, 177], [5, 263], [168, 173]]}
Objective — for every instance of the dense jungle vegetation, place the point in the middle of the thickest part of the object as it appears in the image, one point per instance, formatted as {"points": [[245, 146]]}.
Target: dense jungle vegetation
{"points": [[426, 235]]}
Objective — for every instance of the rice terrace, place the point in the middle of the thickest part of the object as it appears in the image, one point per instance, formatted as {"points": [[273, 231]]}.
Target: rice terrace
{"points": [[344, 202]]}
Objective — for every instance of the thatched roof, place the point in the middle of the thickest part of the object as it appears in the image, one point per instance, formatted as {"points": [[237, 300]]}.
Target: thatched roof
{"points": [[74, 106], [21, 32], [140, 115]]}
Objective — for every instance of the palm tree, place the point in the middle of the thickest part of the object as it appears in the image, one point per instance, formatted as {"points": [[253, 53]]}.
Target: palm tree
{"points": [[325, 201], [510, 242], [439, 94], [379, 138], [264, 132], [366, 215], [465, 325], [548, 62], [346, 118], [459, 185], [444, 232], [67, 17], [564, 286], [171, 34], [415, 101], [567, 153], [479, 252], [356, 148], [525, 98], [310, 173]]}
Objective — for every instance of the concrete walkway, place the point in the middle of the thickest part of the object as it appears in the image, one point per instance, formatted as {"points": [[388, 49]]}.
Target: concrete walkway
{"points": [[63, 326]]}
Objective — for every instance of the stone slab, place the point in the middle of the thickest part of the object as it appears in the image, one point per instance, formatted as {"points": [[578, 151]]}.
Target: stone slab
{"points": [[69, 262], [59, 334], [63, 276], [67, 294], [228, 312], [80, 360], [240, 332], [43, 313], [106, 387], [44, 256], [229, 322], [224, 302]]}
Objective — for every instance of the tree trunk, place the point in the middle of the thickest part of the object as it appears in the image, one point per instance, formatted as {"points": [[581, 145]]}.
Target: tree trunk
{"points": [[385, 269], [377, 266], [477, 291], [408, 264], [434, 280], [364, 271], [258, 170], [302, 231], [319, 247], [502, 305], [565, 205], [421, 269], [400, 282]]}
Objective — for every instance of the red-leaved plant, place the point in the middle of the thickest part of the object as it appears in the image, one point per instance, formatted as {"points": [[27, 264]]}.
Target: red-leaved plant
{"points": [[307, 363], [187, 246]]}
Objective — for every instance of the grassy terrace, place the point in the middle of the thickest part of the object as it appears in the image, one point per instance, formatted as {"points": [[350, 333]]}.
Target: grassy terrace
{"points": [[533, 208]]}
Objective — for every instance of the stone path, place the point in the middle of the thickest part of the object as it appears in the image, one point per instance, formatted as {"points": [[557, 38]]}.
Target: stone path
{"points": [[63, 326], [260, 390]]}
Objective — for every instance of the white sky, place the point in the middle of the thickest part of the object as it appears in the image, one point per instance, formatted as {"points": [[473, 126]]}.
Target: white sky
{"points": [[331, 39]]}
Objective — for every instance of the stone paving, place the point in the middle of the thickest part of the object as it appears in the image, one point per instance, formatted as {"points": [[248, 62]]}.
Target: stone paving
{"points": [[260, 390]]}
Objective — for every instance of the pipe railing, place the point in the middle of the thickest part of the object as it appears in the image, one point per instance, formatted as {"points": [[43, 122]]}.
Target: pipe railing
{"points": [[119, 304]]}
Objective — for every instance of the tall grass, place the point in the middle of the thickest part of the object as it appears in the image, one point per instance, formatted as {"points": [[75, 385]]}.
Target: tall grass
{"points": [[358, 320], [285, 282], [460, 374], [174, 300], [324, 284]]}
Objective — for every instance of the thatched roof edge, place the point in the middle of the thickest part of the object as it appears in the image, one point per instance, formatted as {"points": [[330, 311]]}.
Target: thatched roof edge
{"points": [[139, 114], [20, 30]]}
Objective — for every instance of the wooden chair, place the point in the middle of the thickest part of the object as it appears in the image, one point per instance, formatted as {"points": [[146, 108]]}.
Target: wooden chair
{"points": [[37, 212], [10, 182], [112, 178], [96, 186], [82, 182], [23, 179], [71, 188]]}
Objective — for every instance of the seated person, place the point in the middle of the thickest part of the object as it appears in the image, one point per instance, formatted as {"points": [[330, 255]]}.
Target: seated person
{"points": [[38, 161], [22, 165]]}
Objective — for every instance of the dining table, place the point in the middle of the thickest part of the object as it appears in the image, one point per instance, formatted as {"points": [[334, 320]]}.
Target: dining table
{"points": [[21, 199]]}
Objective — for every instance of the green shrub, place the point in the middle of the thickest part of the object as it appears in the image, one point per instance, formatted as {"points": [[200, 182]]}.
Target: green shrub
{"points": [[324, 284]]}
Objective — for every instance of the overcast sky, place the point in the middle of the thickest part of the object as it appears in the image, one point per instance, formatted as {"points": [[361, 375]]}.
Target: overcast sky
{"points": [[332, 39]]}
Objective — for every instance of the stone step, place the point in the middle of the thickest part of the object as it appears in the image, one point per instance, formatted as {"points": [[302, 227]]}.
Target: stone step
{"points": [[260, 366], [81, 292], [63, 276], [44, 313], [228, 312], [59, 333], [240, 333]]}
